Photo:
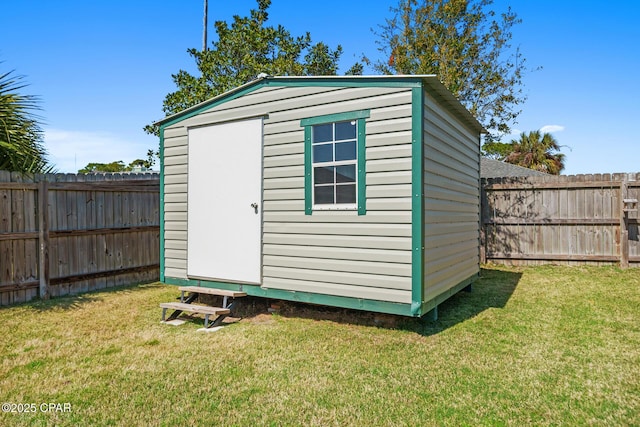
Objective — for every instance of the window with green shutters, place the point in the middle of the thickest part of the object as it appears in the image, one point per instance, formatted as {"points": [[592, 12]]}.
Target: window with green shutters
{"points": [[335, 162]]}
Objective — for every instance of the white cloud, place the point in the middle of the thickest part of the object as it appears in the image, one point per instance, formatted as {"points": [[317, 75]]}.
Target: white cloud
{"points": [[551, 128], [72, 150]]}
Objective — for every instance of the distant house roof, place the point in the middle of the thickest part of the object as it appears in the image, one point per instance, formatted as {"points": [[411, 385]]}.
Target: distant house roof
{"points": [[496, 169]]}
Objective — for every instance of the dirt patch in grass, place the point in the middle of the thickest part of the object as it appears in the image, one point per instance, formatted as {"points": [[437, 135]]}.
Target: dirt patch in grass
{"points": [[334, 314], [256, 309]]}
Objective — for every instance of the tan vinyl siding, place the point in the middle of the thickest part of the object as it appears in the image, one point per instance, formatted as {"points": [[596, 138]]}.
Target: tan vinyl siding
{"points": [[175, 203], [328, 261], [331, 276], [451, 201], [335, 217], [339, 289], [329, 252], [176, 244], [313, 228], [376, 243]]}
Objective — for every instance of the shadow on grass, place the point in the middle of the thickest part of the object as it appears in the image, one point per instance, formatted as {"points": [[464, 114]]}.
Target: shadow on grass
{"points": [[492, 290], [70, 302]]}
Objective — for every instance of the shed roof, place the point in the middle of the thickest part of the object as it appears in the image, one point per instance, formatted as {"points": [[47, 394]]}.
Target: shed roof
{"points": [[431, 82], [490, 168]]}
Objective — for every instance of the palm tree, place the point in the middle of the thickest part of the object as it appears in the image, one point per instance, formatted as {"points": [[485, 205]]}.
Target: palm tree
{"points": [[537, 152], [21, 138]]}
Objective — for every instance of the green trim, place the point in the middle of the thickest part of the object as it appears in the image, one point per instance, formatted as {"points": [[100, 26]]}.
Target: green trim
{"points": [[337, 117], [207, 284], [346, 81], [417, 81], [308, 187], [329, 300], [417, 201], [195, 110], [161, 203], [360, 116], [306, 297], [362, 175]]}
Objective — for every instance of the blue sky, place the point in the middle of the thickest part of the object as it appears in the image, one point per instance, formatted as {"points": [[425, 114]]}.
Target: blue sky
{"points": [[102, 68]]}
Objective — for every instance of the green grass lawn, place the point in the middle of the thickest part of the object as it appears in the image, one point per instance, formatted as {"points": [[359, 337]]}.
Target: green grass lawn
{"points": [[530, 346]]}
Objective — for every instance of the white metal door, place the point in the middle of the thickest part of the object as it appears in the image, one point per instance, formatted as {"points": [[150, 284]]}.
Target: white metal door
{"points": [[224, 201]]}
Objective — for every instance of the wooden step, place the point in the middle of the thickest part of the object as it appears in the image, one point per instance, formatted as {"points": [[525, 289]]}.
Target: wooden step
{"points": [[202, 309], [212, 291]]}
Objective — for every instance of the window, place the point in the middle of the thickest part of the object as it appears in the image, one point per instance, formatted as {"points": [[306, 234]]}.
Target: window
{"points": [[334, 159], [334, 162]]}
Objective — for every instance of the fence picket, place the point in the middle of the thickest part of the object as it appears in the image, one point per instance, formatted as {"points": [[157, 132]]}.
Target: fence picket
{"points": [[66, 234], [565, 220]]}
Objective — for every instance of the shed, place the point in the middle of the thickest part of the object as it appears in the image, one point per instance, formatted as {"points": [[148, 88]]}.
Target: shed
{"points": [[360, 192]]}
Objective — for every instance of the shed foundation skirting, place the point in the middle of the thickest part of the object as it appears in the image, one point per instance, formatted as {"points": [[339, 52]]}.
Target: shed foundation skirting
{"points": [[329, 300]]}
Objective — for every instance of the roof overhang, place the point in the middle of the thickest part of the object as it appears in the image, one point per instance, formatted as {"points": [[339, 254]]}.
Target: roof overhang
{"points": [[429, 81]]}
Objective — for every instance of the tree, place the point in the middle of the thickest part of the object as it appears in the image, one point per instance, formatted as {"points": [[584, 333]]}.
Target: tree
{"points": [[538, 152], [119, 166], [244, 50], [467, 46], [151, 158], [496, 150], [21, 138]]}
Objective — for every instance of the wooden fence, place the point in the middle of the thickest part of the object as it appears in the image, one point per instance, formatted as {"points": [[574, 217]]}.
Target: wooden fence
{"points": [[66, 234], [573, 219]]}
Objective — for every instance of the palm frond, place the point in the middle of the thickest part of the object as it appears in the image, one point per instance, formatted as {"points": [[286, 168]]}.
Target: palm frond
{"points": [[21, 137], [538, 152]]}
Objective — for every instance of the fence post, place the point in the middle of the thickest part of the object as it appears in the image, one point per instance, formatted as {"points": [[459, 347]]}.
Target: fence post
{"points": [[483, 218], [43, 237], [624, 230]]}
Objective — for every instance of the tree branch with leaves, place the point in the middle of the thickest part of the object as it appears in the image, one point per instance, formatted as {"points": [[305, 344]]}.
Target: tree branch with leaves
{"points": [[241, 52], [537, 151], [467, 45], [21, 137]]}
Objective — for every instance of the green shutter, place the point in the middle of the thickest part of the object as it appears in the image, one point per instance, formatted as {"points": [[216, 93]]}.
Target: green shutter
{"points": [[362, 195], [308, 185]]}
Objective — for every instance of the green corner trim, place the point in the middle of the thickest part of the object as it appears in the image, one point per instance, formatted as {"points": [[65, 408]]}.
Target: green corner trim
{"points": [[306, 297], [162, 204], [417, 201]]}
